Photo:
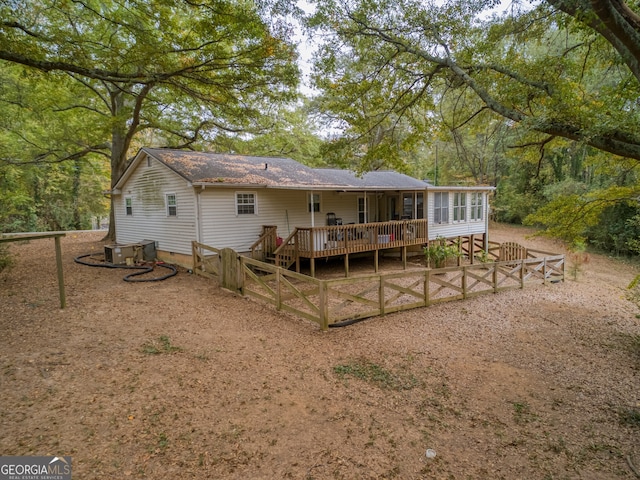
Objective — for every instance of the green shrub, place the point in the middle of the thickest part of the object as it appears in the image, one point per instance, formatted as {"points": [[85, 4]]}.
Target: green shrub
{"points": [[438, 252]]}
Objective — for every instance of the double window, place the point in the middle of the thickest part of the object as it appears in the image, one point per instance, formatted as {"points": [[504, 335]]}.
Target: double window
{"points": [[441, 207], [476, 206], [246, 203], [459, 207]]}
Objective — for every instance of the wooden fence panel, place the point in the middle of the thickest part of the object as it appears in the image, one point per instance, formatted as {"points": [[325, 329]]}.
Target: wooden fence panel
{"points": [[206, 260], [402, 291], [288, 291], [445, 284], [508, 276], [353, 298], [480, 279]]}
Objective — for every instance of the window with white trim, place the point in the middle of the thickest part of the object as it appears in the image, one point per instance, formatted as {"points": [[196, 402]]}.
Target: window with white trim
{"points": [[128, 206], [459, 207], [172, 204], [313, 199], [476, 206], [246, 203], [441, 207]]}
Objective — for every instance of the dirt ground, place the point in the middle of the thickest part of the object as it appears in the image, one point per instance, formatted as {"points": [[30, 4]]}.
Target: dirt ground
{"points": [[182, 380]]}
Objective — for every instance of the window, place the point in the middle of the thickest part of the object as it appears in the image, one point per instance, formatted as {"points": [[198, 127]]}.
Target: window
{"points": [[128, 205], [407, 206], [476, 206], [313, 199], [172, 204], [420, 205], [459, 207], [362, 210], [245, 203], [441, 207]]}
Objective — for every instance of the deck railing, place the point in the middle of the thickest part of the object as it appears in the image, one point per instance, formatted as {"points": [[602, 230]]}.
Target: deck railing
{"points": [[315, 242]]}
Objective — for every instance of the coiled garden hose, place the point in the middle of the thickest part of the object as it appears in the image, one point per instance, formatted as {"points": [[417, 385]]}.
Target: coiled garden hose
{"points": [[129, 278]]}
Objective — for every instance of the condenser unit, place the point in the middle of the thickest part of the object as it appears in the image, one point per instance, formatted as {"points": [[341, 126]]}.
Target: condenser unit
{"points": [[122, 254], [130, 253]]}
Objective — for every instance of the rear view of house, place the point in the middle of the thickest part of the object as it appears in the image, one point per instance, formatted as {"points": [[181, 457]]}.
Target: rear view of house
{"points": [[174, 197]]}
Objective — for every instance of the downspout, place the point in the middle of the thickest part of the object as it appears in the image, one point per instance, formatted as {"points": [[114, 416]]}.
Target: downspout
{"points": [[312, 210], [197, 193]]}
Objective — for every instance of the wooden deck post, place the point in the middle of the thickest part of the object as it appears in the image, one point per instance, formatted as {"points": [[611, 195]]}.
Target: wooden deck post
{"points": [[346, 265], [375, 260], [472, 249], [404, 257], [312, 266]]}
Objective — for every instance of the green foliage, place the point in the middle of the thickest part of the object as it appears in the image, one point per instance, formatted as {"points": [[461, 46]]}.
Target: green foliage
{"points": [[438, 251], [6, 260], [104, 78]]}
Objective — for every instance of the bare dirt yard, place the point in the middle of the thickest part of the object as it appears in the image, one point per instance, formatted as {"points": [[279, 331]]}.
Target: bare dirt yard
{"points": [[182, 380]]}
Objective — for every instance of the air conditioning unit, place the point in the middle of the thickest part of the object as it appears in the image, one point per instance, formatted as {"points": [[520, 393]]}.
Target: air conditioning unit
{"points": [[131, 253], [122, 254]]}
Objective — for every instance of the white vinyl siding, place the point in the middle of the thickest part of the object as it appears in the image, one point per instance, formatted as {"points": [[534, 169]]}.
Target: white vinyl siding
{"points": [[286, 209], [146, 188]]}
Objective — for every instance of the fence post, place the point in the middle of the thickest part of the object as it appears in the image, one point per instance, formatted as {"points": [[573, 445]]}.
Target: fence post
{"points": [[324, 305], [381, 294], [278, 289], [464, 283], [230, 275], [427, 300], [522, 273], [544, 271], [495, 277], [194, 255]]}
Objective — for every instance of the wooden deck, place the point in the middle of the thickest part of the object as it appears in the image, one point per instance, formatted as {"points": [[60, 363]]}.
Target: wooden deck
{"points": [[329, 241]]}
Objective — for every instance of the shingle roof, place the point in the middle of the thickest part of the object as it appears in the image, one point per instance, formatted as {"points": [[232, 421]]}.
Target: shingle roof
{"points": [[216, 169]]}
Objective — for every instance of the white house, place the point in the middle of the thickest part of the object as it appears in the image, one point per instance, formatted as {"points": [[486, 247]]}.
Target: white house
{"points": [[176, 196]]}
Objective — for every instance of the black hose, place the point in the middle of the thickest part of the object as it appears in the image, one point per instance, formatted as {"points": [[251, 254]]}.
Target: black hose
{"points": [[346, 323], [128, 278]]}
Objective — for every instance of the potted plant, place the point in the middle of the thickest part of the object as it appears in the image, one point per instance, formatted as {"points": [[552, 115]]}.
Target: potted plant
{"points": [[438, 252]]}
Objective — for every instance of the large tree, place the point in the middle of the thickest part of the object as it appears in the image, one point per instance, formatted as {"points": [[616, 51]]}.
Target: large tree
{"points": [[552, 70], [417, 49], [176, 70]]}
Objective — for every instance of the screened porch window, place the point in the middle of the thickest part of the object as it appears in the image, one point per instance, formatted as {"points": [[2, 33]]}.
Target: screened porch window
{"points": [[441, 207], [459, 207], [476, 206]]}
